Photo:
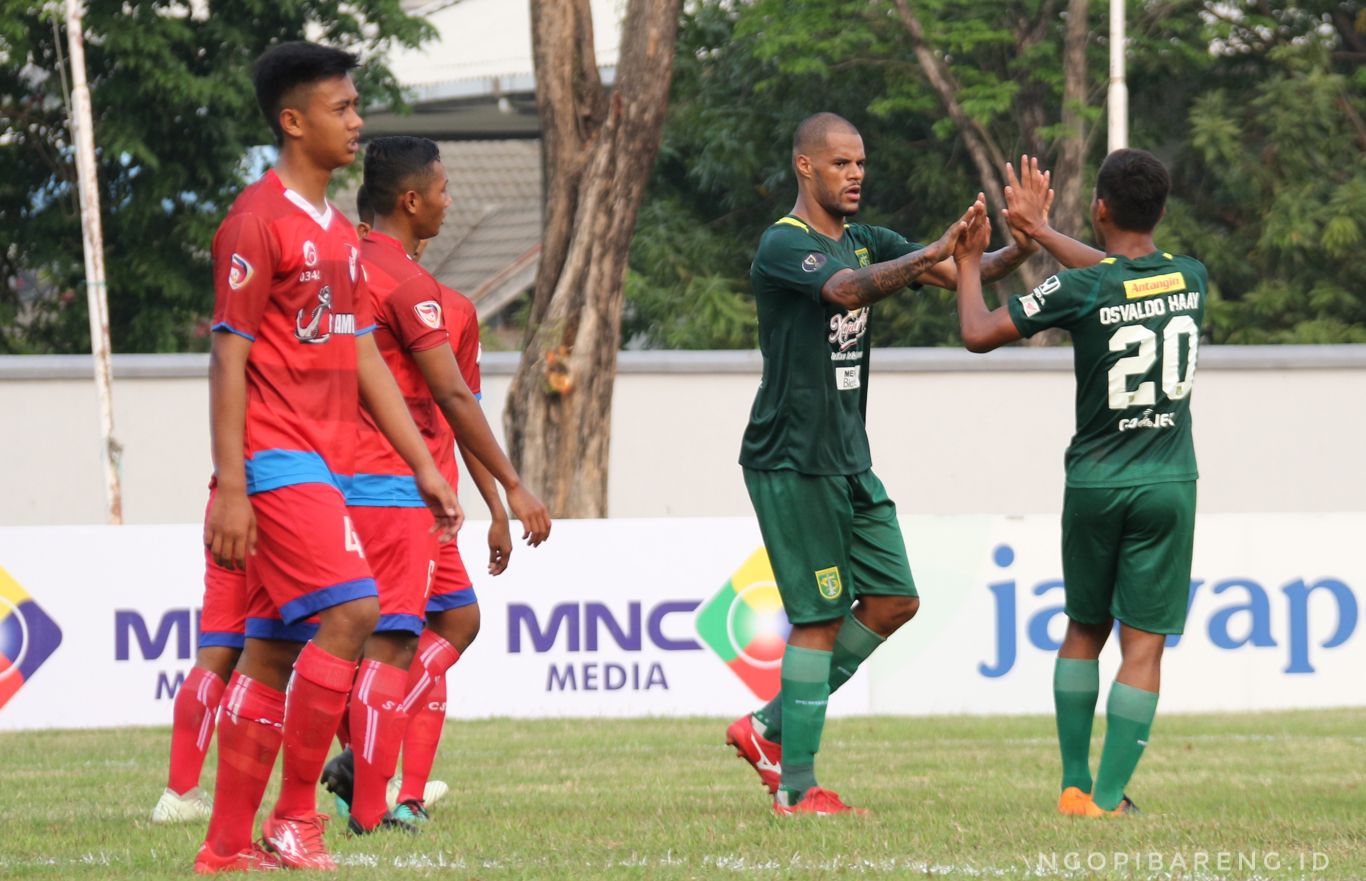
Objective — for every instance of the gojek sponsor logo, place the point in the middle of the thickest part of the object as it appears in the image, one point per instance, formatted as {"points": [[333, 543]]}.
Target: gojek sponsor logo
{"points": [[1234, 614], [28, 637], [745, 625]]}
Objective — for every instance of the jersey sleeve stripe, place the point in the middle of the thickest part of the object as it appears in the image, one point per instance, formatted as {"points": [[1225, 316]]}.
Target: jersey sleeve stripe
{"points": [[224, 326]]}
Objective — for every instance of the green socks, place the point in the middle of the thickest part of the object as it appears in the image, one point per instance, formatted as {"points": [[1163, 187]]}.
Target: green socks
{"points": [[806, 691], [853, 644], [1129, 720], [1076, 687]]}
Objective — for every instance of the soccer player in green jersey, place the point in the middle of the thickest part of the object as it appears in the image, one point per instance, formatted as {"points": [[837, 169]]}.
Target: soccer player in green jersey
{"points": [[829, 527], [1134, 313]]}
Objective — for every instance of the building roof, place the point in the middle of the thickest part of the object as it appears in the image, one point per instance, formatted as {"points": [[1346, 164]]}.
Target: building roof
{"points": [[489, 246], [472, 89]]}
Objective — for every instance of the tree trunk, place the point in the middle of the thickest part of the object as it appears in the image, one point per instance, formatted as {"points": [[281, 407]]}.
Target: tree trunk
{"points": [[597, 151], [1069, 210]]}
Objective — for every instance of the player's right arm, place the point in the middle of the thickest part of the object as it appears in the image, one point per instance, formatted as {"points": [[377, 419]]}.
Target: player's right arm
{"points": [[500, 535], [1028, 201], [244, 256], [466, 418], [230, 528], [380, 395], [856, 288]]}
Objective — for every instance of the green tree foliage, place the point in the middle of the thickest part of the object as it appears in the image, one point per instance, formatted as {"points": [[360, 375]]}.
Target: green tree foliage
{"points": [[175, 124], [1257, 107]]}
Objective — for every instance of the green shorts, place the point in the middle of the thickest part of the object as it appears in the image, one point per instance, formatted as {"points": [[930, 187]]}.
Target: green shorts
{"points": [[830, 540], [1126, 554]]}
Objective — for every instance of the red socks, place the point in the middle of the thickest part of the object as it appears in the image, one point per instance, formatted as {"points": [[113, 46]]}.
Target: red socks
{"points": [[196, 708], [425, 723], [249, 737], [377, 724], [426, 706], [316, 701]]}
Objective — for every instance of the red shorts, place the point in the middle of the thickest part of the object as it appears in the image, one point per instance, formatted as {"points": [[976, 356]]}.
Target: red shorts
{"points": [[401, 548], [223, 615], [452, 587], [308, 558]]}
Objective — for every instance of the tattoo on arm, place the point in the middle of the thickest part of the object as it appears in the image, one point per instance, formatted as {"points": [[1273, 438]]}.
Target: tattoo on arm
{"points": [[998, 264], [866, 286]]}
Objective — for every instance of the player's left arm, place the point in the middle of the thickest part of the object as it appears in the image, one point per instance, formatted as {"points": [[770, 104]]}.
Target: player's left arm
{"points": [[380, 395], [983, 329], [993, 266]]}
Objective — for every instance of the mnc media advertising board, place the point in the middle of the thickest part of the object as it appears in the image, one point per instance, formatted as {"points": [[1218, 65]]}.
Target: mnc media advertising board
{"points": [[682, 617]]}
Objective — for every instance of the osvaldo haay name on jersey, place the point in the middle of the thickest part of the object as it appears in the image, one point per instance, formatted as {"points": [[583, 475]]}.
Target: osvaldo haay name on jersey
{"points": [[1138, 311]]}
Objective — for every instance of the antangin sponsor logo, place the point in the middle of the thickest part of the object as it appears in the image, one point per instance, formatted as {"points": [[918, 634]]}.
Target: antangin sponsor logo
{"points": [[1137, 288]]}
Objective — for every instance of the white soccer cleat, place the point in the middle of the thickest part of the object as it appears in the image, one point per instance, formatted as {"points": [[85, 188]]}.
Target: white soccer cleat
{"points": [[193, 805], [433, 792]]}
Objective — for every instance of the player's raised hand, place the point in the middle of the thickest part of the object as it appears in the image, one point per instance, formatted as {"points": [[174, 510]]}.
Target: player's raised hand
{"points": [[230, 529], [442, 502], [1029, 197], [975, 238], [944, 246], [500, 546], [534, 516]]}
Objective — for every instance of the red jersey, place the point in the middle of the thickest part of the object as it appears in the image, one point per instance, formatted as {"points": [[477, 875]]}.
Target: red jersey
{"points": [[290, 280], [462, 323], [407, 304]]}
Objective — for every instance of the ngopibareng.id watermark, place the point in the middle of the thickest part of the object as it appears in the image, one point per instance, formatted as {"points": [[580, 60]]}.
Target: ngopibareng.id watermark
{"points": [[1176, 863]]}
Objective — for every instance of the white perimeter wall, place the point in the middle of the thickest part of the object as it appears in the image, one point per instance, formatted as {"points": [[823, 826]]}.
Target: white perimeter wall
{"points": [[1278, 429]]}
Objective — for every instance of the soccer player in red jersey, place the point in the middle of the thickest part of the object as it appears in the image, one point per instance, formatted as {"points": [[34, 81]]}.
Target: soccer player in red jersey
{"points": [[222, 627], [291, 363], [406, 183]]}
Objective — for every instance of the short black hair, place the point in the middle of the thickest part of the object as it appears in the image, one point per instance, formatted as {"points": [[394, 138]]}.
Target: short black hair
{"points": [[282, 69], [812, 132], [394, 165], [1134, 185], [365, 209]]}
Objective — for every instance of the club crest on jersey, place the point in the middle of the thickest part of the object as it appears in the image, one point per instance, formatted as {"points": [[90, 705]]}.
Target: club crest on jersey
{"points": [[239, 271], [429, 313], [813, 261], [321, 323], [828, 583], [310, 254]]}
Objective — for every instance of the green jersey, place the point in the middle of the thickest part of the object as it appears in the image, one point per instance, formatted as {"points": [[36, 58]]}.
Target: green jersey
{"points": [[809, 411], [1135, 326]]}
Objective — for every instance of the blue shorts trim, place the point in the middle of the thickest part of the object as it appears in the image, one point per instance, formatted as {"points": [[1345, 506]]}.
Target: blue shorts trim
{"points": [[274, 628], [401, 623], [446, 601], [224, 326], [312, 603], [383, 491], [211, 639], [273, 469]]}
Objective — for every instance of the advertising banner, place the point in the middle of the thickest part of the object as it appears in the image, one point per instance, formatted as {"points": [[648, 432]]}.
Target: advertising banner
{"points": [[682, 617]]}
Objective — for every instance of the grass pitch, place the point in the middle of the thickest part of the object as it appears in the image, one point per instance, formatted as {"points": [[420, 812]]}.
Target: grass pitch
{"points": [[1264, 796]]}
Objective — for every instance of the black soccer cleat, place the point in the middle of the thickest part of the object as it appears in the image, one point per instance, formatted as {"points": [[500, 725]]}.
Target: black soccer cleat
{"points": [[387, 823], [339, 778]]}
